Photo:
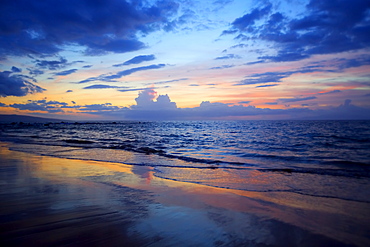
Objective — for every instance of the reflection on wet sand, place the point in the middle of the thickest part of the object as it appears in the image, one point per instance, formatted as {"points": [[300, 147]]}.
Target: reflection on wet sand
{"points": [[52, 201]]}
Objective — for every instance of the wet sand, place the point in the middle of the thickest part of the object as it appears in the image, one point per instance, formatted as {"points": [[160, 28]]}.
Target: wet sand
{"points": [[47, 201]]}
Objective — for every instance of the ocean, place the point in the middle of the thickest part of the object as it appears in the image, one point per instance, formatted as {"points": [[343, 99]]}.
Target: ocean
{"points": [[314, 158]]}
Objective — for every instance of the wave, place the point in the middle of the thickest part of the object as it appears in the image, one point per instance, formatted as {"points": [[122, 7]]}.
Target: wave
{"points": [[348, 162], [218, 143], [207, 171], [317, 171], [135, 146], [78, 141]]}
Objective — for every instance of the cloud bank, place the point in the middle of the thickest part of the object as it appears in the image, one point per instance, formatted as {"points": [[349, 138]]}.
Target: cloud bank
{"points": [[151, 106]]}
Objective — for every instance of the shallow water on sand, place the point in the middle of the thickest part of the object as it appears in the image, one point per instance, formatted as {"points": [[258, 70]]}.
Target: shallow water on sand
{"points": [[55, 201], [317, 158]]}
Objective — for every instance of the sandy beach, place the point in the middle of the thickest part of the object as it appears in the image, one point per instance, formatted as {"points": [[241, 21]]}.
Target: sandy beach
{"points": [[48, 201]]}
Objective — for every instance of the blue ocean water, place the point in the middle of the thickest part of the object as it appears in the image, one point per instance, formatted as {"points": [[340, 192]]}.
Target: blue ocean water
{"points": [[316, 158]]}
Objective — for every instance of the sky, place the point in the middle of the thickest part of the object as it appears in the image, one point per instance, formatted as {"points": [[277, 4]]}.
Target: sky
{"points": [[185, 59]]}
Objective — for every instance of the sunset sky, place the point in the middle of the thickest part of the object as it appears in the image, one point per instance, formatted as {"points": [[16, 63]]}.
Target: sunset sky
{"points": [[185, 59]]}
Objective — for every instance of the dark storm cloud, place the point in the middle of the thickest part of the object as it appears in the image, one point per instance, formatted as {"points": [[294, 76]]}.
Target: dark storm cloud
{"points": [[66, 72], [16, 85], [43, 27], [327, 27], [136, 60]]}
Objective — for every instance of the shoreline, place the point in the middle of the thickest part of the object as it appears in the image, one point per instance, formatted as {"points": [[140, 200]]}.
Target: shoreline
{"points": [[58, 201]]}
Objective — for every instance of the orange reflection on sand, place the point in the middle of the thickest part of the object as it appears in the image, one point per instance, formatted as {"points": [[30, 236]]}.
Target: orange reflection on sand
{"points": [[150, 177], [79, 168], [141, 177], [327, 216]]}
